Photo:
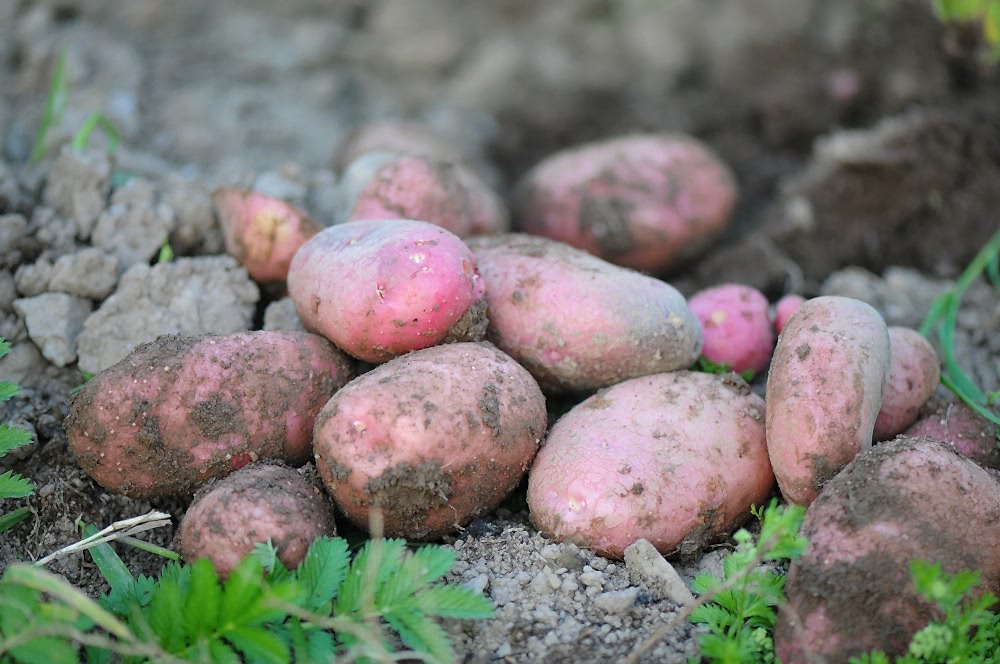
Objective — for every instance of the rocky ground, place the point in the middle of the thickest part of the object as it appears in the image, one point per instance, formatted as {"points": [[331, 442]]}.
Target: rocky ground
{"points": [[863, 134]]}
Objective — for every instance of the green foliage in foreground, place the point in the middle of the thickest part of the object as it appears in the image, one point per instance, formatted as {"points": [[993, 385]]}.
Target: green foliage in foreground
{"points": [[330, 607], [12, 485]]}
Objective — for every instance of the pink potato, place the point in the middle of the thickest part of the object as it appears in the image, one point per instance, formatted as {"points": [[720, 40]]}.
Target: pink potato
{"points": [[258, 503], [961, 427], [904, 500], [398, 136], [914, 375], [262, 232], [379, 289], [824, 390], [647, 202], [735, 325], [784, 309], [674, 458], [577, 322], [447, 194], [179, 411], [431, 439]]}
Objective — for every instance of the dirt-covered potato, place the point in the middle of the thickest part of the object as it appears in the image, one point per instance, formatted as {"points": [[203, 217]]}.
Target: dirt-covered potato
{"points": [[433, 439], [179, 411], [578, 322], [914, 375], [824, 390], [379, 289], [904, 500], [674, 458], [961, 427], [735, 325], [255, 504], [643, 201]]}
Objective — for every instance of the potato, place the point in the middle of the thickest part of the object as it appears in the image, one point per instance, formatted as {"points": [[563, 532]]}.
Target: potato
{"points": [[914, 375], [255, 504], [904, 500], [824, 390], [389, 186], [784, 309], [398, 136], [379, 289], [674, 458], [577, 322], [261, 232], [735, 326], [961, 427], [643, 201], [178, 411], [432, 439]]}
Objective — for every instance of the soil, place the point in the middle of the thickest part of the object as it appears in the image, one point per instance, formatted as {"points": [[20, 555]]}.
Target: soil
{"points": [[863, 135]]}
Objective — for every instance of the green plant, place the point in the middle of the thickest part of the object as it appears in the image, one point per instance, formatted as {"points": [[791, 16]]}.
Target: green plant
{"points": [[708, 366], [12, 485], [330, 607], [985, 12]]}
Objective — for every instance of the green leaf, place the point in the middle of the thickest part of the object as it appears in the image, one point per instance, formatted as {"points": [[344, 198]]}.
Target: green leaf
{"points": [[166, 613], [422, 634], [55, 104], [14, 517], [201, 607], [222, 653], [166, 252], [322, 572], [433, 562], [45, 650], [8, 390], [13, 437], [110, 565], [241, 591], [451, 601], [258, 644], [15, 486], [96, 120]]}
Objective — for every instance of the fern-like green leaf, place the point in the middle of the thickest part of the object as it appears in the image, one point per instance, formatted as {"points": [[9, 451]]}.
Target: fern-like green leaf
{"points": [[433, 562], [13, 485], [322, 572], [451, 601], [258, 644], [45, 650], [321, 646], [222, 653], [241, 591], [8, 390], [12, 437], [204, 597], [422, 634]]}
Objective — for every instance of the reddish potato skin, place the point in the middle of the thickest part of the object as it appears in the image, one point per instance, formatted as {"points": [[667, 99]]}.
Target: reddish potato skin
{"points": [[379, 289], [255, 504], [433, 439], [578, 322], [961, 427], [784, 309], [674, 458], [824, 390], [644, 201], [913, 377], [179, 411], [903, 500], [735, 325], [261, 232], [399, 136]]}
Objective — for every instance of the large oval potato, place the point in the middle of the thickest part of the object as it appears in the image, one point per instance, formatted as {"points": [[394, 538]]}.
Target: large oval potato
{"points": [[432, 439], [643, 201], [824, 390], [674, 458], [904, 500], [179, 411], [578, 322]]}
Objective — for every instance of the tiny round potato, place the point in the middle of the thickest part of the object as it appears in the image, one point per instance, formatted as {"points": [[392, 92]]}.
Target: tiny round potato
{"points": [[824, 390], [644, 201], [735, 325], [905, 500], [431, 439], [784, 309], [255, 504], [179, 411], [913, 377], [577, 322], [379, 289], [674, 458]]}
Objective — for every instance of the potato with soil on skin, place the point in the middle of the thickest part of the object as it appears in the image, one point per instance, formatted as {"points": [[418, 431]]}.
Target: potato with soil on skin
{"points": [[970, 433], [674, 458], [433, 439], [578, 322], [647, 202], [179, 411], [824, 390], [914, 375], [904, 500], [255, 504], [379, 289], [261, 232], [735, 326]]}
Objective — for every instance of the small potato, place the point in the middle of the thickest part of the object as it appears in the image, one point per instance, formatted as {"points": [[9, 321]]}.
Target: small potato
{"points": [[824, 391], [179, 411], [784, 309], [432, 439], [577, 322], [261, 232], [735, 325], [645, 201], [450, 195], [914, 375], [379, 289], [674, 458], [961, 427], [851, 591], [255, 504], [398, 136]]}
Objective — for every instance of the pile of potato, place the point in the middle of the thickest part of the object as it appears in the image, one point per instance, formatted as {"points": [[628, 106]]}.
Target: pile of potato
{"points": [[470, 327]]}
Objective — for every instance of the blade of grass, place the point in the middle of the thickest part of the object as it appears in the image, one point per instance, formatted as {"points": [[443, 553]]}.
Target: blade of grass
{"points": [[151, 548], [14, 517], [108, 562], [55, 104], [96, 120]]}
